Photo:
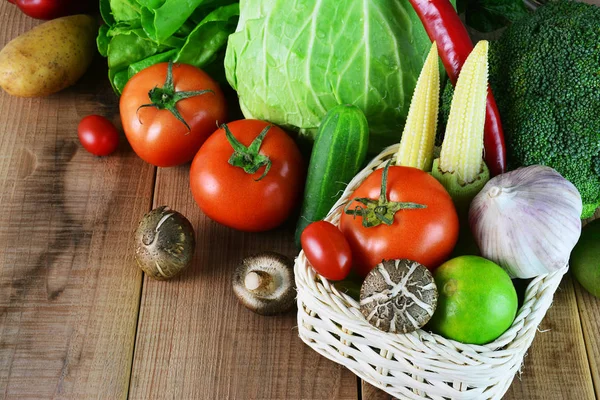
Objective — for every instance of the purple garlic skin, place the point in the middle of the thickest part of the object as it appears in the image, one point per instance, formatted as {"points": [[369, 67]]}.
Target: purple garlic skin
{"points": [[527, 221]]}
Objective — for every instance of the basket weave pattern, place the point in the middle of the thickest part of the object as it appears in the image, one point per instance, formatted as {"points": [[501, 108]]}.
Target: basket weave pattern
{"points": [[419, 365]]}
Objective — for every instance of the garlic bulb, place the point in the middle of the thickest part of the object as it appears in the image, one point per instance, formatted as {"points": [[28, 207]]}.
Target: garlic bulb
{"points": [[527, 221]]}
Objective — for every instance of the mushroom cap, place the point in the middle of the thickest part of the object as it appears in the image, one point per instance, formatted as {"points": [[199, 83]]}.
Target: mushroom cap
{"points": [[398, 296], [264, 283], [165, 243]]}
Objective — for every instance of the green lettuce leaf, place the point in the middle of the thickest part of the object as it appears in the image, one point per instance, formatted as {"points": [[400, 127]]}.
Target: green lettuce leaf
{"points": [[123, 28], [106, 12], [209, 36], [126, 49], [122, 10], [163, 21], [118, 79], [141, 33], [103, 40], [147, 62]]}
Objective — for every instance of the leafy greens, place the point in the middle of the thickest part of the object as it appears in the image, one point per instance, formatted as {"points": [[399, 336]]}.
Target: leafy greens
{"points": [[141, 33], [292, 61]]}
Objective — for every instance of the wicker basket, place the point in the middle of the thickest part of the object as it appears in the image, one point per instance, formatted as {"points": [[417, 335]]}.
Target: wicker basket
{"points": [[419, 365]]}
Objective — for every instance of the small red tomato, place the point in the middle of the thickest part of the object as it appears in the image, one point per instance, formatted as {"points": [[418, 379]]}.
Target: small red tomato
{"points": [[327, 250], [98, 135]]}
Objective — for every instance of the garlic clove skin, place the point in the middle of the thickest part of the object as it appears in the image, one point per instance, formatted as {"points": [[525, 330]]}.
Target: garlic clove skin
{"points": [[527, 221]]}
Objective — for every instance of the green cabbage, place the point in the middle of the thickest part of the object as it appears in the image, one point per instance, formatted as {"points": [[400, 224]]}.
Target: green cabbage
{"points": [[293, 60]]}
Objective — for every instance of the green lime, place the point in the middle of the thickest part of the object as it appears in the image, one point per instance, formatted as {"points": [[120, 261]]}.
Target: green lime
{"points": [[477, 300], [585, 258]]}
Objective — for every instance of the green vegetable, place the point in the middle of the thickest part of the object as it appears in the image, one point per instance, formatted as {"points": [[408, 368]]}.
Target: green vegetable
{"points": [[460, 168], [292, 62], [585, 258], [141, 33], [545, 72], [339, 151]]}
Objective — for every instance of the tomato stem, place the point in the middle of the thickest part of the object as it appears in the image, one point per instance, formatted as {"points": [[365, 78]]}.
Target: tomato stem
{"points": [[376, 212], [166, 98], [248, 158]]}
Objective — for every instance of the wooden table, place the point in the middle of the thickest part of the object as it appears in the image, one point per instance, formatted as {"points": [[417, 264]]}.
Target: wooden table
{"points": [[79, 320]]}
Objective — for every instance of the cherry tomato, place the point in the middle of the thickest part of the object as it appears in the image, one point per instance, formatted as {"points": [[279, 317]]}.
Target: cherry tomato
{"points": [[50, 9], [424, 229], [248, 201], [327, 250], [155, 132], [98, 135]]}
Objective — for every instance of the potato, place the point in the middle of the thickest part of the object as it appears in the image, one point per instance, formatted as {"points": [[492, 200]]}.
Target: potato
{"points": [[48, 58]]}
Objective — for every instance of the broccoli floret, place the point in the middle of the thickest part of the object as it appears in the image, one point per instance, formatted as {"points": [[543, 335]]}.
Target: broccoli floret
{"points": [[545, 73]]}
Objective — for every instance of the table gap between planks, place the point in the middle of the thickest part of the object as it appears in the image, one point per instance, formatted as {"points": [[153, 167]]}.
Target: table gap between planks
{"points": [[78, 319]]}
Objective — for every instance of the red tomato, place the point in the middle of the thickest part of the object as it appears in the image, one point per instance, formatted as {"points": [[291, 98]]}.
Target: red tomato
{"points": [[50, 9], [98, 135], [235, 198], [327, 250], [426, 235], [155, 134]]}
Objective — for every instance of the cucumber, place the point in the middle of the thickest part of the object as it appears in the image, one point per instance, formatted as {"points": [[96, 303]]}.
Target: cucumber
{"points": [[339, 151]]}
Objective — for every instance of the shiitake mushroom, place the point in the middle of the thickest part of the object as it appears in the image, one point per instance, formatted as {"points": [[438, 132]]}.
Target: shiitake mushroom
{"points": [[398, 296], [165, 243], [264, 283]]}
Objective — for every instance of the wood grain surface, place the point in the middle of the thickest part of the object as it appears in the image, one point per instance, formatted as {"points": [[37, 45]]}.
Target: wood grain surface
{"points": [[195, 341], [589, 313], [78, 320], [556, 366], [68, 292]]}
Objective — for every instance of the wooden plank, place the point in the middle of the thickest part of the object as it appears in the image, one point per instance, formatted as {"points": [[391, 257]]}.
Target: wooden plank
{"points": [[196, 341], [370, 392], [69, 294], [589, 312], [556, 366]]}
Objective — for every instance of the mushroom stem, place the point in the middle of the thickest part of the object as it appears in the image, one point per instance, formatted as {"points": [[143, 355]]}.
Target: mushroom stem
{"points": [[264, 283], [257, 280]]}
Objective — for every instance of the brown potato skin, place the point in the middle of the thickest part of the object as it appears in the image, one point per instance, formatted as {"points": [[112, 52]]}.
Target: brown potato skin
{"points": [[48, 58]]}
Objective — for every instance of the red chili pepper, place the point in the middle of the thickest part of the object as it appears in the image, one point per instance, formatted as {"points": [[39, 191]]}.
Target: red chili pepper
{"points": [[445, 27]]}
